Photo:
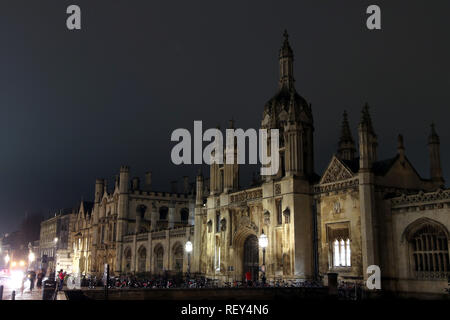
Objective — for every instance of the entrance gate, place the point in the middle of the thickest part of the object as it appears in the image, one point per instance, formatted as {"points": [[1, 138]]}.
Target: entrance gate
{"points": [[251, 257]]}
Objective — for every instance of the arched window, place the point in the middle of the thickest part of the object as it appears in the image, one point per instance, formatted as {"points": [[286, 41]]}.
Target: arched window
{"points": [[429, 251], [163, 211], [159, 259], [218, 221], [178, 258], [140, 210], [341, 253], [184, 215], [127, 255], [142, 257]]}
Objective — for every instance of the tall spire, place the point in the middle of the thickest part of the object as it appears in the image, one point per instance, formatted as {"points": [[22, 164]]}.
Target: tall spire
{"points": [[286, 64], [346, 145], [367, 140], [435, 158]]}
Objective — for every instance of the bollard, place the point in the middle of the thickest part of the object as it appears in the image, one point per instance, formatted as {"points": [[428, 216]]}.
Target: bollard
{"points": [[13, 295], [1, 292]]}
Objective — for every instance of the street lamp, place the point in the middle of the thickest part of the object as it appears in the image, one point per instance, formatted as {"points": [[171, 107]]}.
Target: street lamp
{"points": [[263, 242], [188, 248], [55, 240], [7, 258]]}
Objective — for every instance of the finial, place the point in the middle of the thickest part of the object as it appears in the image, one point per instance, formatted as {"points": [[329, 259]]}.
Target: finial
{"points": [[231, 123], [400, 142], [285, 35]]}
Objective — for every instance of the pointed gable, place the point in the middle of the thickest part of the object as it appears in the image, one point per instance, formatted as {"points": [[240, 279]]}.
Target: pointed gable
{"points": [[336, 171]]}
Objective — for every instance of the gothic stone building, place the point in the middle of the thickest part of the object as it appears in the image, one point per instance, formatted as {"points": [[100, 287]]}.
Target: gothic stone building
{"points": [[133, 228], [361, 211]]}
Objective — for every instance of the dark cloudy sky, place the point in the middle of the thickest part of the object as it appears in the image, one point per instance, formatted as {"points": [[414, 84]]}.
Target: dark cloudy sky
{"points": [[77, 105]]}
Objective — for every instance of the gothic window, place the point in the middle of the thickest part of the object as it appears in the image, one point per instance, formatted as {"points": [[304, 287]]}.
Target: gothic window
{"points": [[114, 232], [142, 256], [163, 211], [184, 215], [218, 222], [140, 210], [178, 258], [338, 235], [341, 253], [159, 259], [429, 252], [279, 212], [127, 260]]}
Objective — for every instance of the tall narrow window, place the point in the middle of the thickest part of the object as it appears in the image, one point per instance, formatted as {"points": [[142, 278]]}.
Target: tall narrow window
{"points": [[336, 253], [279, 212], [341, 253], [218, 222]]}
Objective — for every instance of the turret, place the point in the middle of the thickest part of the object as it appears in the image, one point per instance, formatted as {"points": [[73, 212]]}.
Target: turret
{"points": [[346, 145], [435, 158], [124, 177], [367, 141], [231, 171], [286, 59], [199, 193], [293, 137], [401, 148], [99, 188]]}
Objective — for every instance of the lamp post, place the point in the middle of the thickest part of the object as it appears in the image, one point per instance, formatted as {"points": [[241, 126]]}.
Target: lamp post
{"points": [[55, 240], [188, 248], [263, 242]]}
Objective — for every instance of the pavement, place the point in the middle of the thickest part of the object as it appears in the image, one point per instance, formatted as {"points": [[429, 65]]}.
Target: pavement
{"points": [[36, 294]]}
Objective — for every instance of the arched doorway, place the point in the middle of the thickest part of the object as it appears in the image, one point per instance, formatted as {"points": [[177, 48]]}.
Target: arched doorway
{"points": [[251, 257]]}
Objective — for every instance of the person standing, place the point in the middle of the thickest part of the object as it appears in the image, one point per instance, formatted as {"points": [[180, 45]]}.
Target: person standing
{"points": [[32, 278], [40, 276], [61, 276]]}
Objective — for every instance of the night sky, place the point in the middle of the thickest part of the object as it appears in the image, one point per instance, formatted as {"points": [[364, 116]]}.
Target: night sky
{"points": [[75, 105]]}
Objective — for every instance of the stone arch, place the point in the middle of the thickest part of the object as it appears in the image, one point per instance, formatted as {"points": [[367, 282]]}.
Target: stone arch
{"points": [[414, 226], [159, 258], [127, 260], [178, 257], [142, 258], [238, 244], [427, 249]]}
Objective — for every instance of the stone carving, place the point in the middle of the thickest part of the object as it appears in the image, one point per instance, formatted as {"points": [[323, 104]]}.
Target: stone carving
{"points": [[223, 224], [277, 189], [246, 195], [336, 172], [245, 222], [266, 217], [337, 207]]}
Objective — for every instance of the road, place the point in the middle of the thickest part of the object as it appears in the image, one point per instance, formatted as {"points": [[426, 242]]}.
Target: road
{"points": [[26, 295]]}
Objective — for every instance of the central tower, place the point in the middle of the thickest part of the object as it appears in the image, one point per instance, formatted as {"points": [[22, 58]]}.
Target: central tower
{"points": [[289, 112]]}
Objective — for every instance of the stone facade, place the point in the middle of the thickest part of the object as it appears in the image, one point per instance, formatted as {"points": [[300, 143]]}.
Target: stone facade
{"points": [[133, 228], [361, 211]]}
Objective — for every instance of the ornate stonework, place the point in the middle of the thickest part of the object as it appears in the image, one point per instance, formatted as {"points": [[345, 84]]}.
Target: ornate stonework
{"points": [[336, 171]]}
